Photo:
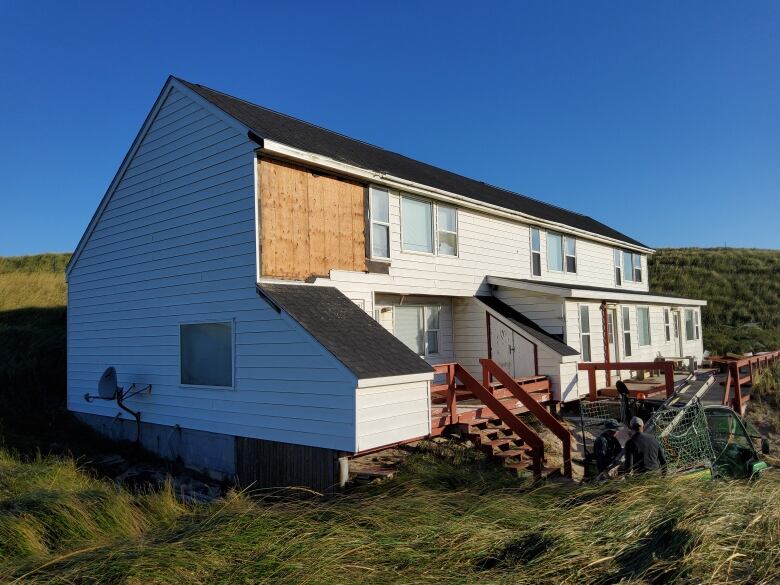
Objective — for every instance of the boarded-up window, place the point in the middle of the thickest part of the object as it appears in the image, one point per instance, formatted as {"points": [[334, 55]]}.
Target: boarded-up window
{"points": [[310, 224]]}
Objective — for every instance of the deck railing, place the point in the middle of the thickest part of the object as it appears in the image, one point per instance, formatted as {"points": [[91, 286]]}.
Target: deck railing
{"points": [[456, 373], [492, 369], [592, 367], [736, 378]]}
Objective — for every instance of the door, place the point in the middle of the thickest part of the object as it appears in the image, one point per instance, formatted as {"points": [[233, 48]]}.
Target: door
{"points": [[612, 338], [677, 320], [514, 353]]}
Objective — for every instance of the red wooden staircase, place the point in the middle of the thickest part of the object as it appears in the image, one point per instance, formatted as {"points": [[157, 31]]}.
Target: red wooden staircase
{"points": [[488, 414]]}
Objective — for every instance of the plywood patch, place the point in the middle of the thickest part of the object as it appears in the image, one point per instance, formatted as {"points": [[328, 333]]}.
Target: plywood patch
{"points": [[310, 224]]}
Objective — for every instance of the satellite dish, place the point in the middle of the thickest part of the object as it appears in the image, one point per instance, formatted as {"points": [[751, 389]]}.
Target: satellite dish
{"points": [[107, 388]]}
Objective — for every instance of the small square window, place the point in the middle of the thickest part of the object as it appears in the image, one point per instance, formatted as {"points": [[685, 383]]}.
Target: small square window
{"points": [[206, 354]]}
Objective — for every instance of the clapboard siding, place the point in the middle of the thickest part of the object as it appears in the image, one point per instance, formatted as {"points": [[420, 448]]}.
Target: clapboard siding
{"points": [[391, 413], [487, 246], [176, 244]]}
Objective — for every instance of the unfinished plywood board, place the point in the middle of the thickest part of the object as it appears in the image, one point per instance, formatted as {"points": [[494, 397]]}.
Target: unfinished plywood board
{"points": [[310, 224]]}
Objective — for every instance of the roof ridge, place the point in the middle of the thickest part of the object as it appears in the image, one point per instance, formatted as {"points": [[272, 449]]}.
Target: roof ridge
{"points": [[323, 128]]}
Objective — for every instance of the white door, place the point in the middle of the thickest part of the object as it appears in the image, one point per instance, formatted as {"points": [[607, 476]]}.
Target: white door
{"points": [[511, 351], [613, 338], [677, 336]]}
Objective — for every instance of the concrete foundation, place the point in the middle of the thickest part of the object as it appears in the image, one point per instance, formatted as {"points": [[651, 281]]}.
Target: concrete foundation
{"points": [[210, 453]]}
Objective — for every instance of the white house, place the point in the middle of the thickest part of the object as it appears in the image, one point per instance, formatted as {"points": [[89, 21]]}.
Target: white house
{"points": [[277, 285]]}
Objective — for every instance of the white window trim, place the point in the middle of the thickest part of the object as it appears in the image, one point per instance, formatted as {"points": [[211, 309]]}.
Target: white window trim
{"points": [[565, 240], [373, 221], [232, 323], [696, 326], [667, 325], [438, 230], [627, 347], [693, 324], [636, 260], [537, 252], [584, 334], [425, 327], [649, 328], [617, 260], [563, 252], [434, 227]]}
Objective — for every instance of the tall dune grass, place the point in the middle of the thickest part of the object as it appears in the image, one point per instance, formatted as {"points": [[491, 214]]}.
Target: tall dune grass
{"points": [[416, 528]]}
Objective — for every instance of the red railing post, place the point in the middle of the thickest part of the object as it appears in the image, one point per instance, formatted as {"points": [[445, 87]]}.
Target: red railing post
{"points": [[737, 388], [592, 392], [452, 403], [669, 378]]}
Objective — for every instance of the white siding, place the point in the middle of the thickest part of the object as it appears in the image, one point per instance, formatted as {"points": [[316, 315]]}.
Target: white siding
{"points": [[487, 246], [175, 244], [391, 413], [446, 350], [544, 310], [658, 345]]}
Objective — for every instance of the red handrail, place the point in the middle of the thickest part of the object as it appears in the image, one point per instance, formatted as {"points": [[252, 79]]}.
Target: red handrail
{"points": [[491, 368], [735, 377], [591, 367], [506, 416]]}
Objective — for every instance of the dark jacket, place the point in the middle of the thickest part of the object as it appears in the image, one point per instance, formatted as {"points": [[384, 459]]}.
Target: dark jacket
{"points": [[643, 453], [605, 448]]}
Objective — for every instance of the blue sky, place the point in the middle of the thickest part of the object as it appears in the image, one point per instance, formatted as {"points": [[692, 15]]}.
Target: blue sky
{"points": [[661, 119]]}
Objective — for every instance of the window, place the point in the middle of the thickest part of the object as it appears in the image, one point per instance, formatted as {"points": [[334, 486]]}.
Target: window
{"points": [[416, 225], [643, 325], [447, 230], [380, 223], [626, 332], [554, 252], [696, 330], [618, 268], [418, 328], [637, 268], [585, 333], [689, 327], [536, 252], [570, 253], [667, 325], [628, 266], [206, 354]]}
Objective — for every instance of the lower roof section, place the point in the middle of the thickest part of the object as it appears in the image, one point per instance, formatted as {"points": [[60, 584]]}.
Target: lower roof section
{"points": [[524, 323], [365, 348], [578, 291]]}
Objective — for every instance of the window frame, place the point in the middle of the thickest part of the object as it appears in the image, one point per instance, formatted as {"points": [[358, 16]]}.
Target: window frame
{"points": [[640, 332], [566, 255], [696, 325], [439, 230], [232, 323], [563, 257], [625, 322], [423, 308], [637, 262], [584, 334], [667, 324], [535, 253], [372, 221], [693, 329], [432, 205], [617, 260]]}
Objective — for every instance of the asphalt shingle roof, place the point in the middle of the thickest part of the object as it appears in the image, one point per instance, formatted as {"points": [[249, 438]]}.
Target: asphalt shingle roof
{"points": [[268, 124], [554, 342], [366, 348]]}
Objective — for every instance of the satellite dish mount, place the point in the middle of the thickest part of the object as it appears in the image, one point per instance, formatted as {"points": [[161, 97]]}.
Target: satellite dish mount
{"points": [[108, 389]]}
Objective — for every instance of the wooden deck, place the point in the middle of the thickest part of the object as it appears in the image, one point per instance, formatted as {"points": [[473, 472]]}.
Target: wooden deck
{"points": [[650, 387]]}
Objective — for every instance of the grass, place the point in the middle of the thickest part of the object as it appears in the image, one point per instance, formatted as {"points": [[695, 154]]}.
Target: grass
{"points": [[741, 285], [421, 527], [448, 516]]}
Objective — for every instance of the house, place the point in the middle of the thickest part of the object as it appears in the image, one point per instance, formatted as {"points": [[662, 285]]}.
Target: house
{"points": [[286, 291]]}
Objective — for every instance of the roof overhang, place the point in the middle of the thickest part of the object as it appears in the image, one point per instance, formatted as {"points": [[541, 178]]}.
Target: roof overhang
{"points": [[283, 151], [567, 292]]}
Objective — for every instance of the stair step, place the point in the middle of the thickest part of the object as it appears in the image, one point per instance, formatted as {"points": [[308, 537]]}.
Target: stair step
{"points": [[498, 443], [510, 453]]}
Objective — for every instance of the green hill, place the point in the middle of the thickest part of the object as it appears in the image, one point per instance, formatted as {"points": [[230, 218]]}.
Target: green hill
{"points": [[741, 285]]}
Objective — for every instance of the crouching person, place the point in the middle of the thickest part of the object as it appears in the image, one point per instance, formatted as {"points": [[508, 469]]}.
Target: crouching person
{"points": [[643, 452], [607, 447]]}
